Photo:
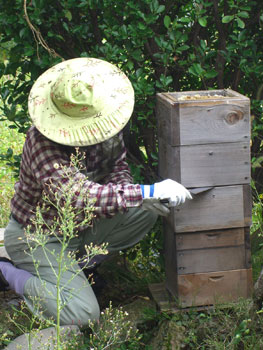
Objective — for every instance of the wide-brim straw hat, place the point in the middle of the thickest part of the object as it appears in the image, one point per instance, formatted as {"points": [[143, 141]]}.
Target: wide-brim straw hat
{"points": [[81, 101]]}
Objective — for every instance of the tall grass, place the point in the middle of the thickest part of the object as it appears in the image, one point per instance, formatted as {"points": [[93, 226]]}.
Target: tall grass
{"points": [[10, 138]]}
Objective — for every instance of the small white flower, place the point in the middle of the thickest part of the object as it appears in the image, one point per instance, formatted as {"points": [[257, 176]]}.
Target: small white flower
{"points": [[56, 166]]}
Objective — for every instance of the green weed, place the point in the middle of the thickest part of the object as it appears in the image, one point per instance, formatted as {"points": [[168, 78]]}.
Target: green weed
{"points": [[11, 139]]}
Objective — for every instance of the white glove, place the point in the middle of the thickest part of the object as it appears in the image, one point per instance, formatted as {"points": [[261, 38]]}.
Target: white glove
{"points": [[156, 206], [169, 190]]}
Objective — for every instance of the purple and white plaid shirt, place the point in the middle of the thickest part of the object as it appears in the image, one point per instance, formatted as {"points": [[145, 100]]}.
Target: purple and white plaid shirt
{"points": [[109, 180]]}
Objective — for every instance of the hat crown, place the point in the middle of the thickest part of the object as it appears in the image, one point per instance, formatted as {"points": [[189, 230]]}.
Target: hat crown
{"points": [[81, 101], [74, 95]]}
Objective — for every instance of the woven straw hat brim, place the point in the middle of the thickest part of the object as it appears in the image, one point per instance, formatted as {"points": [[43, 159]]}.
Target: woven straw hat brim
{"points": [[113, 87]]}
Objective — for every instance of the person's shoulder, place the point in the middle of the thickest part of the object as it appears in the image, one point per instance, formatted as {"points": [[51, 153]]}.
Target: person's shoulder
{"points": [[35, 137], [33, 133], [36, 144]]}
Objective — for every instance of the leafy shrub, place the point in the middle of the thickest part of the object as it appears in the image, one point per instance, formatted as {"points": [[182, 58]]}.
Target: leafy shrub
{"points": [[160, 45]]}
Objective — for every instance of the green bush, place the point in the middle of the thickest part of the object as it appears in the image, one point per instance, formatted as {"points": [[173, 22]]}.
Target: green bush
{"points": [[160, 45]]}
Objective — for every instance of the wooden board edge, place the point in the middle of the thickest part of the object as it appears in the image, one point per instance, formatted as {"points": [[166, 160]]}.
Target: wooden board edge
{"points": [[164, 302]]}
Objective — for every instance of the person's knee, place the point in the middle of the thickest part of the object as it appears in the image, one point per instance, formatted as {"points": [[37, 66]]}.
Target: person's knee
{"points": [[80, 305], [81, 311], [92, 313], [80, 316]]}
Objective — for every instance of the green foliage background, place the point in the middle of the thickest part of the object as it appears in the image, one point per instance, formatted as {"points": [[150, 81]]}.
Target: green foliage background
{"points": [[161, 46]]}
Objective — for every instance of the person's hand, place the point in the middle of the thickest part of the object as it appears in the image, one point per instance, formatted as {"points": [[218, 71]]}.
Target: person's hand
{"points": [[167, 190]]}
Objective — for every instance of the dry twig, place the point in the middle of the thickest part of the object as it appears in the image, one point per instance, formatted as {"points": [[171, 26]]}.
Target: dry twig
{"points": [[38, 36]]}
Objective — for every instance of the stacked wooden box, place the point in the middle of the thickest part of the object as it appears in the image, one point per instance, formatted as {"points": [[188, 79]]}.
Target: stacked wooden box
{"points": [[204, 143]]}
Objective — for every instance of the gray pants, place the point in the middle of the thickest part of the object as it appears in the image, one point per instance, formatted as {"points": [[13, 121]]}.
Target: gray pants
{"points": [[76, 294]]}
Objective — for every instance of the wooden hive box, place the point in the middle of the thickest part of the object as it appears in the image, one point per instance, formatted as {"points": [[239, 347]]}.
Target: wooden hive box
{"points": [[204, 143], [211, 116], [206, 267], [213, 208]]}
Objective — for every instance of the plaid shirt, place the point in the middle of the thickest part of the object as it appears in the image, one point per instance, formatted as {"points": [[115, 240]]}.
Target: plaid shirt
{"points": [[109, 181]]}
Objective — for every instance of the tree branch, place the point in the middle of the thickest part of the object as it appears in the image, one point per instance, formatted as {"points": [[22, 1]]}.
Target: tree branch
{"points": [[95, 25], [38, 36]]}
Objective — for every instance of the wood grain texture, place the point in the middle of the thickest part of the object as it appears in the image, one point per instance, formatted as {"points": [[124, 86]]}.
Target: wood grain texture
{"points": [[211, 259], [210, 239], [162, 297], [219, 208], [205, 141], [205, 165], [201, 121], [166, 302], [166, 120], [247, 198], [206, 251], [170, 255], [214, 287], [248, 247]]}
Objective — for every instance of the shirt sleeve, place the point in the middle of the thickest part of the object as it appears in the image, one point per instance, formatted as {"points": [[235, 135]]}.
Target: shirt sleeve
{"points": [[120, 172], [47, 164]]}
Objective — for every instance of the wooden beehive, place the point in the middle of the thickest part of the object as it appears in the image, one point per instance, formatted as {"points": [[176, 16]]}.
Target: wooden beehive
{"points": [[204, 143]]}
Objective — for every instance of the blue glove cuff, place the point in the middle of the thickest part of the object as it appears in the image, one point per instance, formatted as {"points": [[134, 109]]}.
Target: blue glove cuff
{"points": [[151, 190], [142, 188], [147, 191]]}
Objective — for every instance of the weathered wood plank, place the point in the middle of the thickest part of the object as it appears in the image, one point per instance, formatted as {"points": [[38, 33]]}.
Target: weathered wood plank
{"points": [[223, 118], [214, 94], [170, 255], [214, 287], [162, 297], [166, 302], [219, 208], [205, 251], [248, 247], [212, 259], [209, 239], [205, 165]]}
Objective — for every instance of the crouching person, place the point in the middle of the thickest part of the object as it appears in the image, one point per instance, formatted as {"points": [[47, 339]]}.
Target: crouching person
{"points": [[84, 103]]}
